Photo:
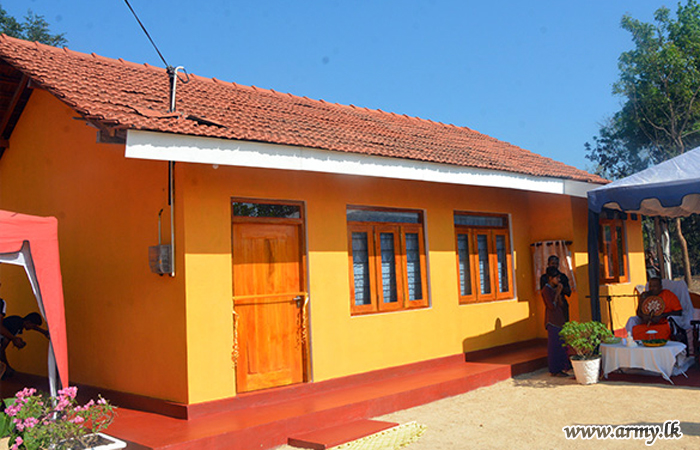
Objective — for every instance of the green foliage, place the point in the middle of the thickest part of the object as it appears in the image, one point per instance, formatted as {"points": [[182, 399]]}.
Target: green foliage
{"points": [[34, 28], [617, 153], [691, 231], [584, 338], [5, 425], [660, 82]]}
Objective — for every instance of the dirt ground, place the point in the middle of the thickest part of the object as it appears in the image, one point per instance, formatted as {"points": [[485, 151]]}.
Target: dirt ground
{"points": [[529, 412]]}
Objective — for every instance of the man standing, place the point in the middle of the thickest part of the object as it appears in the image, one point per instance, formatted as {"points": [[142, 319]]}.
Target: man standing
{"points": [[555, 317], [553, 261]]}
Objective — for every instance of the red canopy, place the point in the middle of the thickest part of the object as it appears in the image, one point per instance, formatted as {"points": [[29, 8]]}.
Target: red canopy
{"points": [[32, 242]]}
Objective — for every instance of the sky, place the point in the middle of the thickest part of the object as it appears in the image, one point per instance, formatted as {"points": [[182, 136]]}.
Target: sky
{"points": [[537, 73]]}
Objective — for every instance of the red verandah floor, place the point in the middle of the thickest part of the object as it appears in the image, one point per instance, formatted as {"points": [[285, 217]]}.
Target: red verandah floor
{"points": [[268, 418]]}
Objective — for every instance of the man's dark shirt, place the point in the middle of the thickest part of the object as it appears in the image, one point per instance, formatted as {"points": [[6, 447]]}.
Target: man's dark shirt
{"points": [[13, 324], [565, 291]]}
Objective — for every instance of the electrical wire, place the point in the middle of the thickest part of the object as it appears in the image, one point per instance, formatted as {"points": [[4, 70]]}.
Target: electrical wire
{"points": [[146, 31]]}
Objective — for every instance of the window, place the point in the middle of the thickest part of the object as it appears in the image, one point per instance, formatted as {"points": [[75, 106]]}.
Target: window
{"points": [[484, 258], [387, 260], [613, 251], [282, 211]]}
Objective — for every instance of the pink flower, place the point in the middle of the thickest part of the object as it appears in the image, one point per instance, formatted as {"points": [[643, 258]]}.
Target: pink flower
{"points": [[85, 407], [77, 419], [101, 401], [19, 423], [26, 392], [70, 391], [63, 402], [30, 422], [13, 409], [18, 442]]}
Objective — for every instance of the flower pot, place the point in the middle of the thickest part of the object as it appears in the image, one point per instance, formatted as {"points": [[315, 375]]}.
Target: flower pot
{"points": [[101, 442], [108, 443], [587, 371]]}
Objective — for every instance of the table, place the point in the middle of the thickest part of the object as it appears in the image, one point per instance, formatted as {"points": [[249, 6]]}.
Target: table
{"points": [[654, 359]]}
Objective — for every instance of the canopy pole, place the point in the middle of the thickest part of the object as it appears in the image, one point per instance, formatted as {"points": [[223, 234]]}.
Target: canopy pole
{"points": [[594, 263], [666, 271], [659, 246]]}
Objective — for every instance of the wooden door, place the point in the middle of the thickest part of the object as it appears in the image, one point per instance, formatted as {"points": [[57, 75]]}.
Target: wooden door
{"points": [[268, 285]]}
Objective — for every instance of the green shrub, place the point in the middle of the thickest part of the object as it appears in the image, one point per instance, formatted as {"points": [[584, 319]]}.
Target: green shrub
{"points": [[584, 338]]}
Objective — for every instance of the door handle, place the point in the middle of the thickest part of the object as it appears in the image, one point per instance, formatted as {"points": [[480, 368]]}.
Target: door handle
{"points": [[299, 299]]}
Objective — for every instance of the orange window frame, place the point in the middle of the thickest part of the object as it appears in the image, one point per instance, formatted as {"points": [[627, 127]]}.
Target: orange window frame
{"points": [[374, 230], [383, 305], [423, 300], [613, 248], [508, 292], [491, 233], [372, 305], [471, 261]]}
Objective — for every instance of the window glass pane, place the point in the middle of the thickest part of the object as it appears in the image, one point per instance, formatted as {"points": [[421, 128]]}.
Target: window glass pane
{"points": [[386, 242], [415, 282], [607, 233], [502, 263], [266, 210], [360, 267], [465, 273], [483, 249], [479, 221], [620, 252], [363, 215]]}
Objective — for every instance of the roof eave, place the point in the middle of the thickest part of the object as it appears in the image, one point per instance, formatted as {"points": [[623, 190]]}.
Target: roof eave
{"points": [[227, 152]]}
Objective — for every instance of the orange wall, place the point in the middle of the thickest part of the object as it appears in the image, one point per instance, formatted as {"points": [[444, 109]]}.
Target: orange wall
{"points": [[126, 326], [134, 331]]}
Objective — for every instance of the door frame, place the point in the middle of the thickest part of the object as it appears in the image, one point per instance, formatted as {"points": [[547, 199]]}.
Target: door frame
{"points": [[303, 255]]}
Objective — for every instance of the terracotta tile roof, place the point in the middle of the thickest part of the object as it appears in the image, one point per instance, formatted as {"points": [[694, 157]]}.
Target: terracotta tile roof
{"points": [[122, 94]]}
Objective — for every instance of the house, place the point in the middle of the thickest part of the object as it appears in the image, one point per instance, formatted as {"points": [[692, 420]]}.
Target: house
{"points": [[310, 240]]}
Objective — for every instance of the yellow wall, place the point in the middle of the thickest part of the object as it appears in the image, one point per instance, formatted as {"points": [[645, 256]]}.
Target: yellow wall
{"points": [[134, 331], [126, 326], [342, 344]]}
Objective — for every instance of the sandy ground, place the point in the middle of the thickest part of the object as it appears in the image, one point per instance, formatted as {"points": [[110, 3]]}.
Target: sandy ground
{"points": [[529, 412]]}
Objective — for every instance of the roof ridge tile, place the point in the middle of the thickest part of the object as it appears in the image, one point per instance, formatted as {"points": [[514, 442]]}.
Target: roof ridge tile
{"points": [[130, 63]]}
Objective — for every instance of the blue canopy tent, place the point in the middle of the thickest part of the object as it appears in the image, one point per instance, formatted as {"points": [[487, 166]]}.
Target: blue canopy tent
{"points": [[669, 189]]}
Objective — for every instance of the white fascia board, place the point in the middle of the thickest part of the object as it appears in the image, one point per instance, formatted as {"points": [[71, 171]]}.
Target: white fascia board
{"points": [[193, 149]]}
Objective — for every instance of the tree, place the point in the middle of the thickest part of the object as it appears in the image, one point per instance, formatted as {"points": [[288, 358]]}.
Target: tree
{"points": [[34, 28], [660, 81]]}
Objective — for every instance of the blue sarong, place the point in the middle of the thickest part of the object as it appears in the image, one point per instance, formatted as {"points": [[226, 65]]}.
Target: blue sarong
{"points": [[557, 357]]}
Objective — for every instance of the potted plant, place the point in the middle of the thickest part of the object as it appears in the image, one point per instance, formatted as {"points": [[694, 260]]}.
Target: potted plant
{"points": [[584, 339], [34, 421]]}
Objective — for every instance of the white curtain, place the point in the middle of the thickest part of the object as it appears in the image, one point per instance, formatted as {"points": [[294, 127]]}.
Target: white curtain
{"points": [[541, 251]]}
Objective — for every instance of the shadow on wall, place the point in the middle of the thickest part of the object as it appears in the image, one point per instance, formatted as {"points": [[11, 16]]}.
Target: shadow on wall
{"points": [[521, 330]]}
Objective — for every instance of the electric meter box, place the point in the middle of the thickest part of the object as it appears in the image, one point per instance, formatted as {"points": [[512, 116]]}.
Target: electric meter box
{"points": [[160, 258]]}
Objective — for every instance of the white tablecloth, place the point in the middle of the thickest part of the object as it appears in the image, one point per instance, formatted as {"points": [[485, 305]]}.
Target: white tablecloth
{"points": [[654, 359]]}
